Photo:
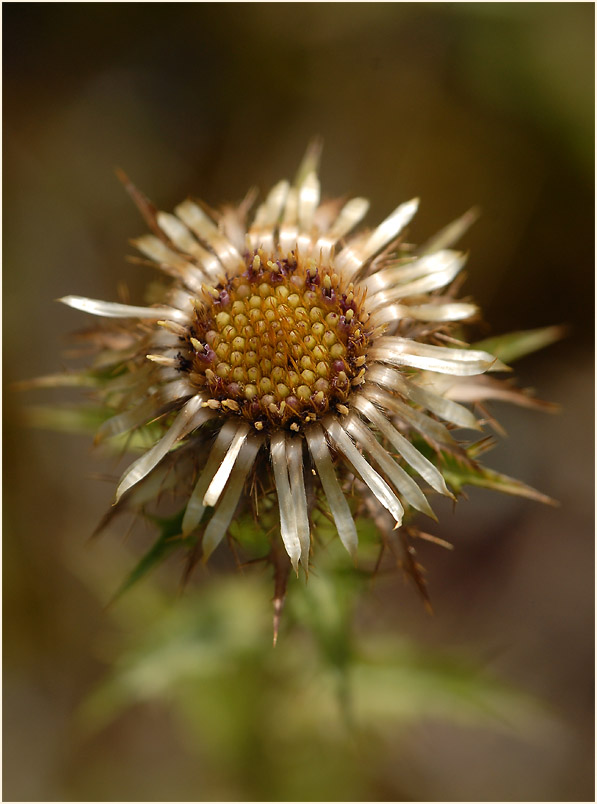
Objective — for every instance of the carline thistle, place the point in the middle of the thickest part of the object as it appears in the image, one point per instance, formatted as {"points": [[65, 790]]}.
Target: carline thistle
{"points": [[289, 356]]}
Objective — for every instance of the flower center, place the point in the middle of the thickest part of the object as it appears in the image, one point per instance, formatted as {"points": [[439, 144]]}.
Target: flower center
{"points": [[281, 343]]}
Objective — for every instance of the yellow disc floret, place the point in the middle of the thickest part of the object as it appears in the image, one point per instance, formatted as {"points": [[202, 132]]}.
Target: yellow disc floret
{"points": [[280, 344]]}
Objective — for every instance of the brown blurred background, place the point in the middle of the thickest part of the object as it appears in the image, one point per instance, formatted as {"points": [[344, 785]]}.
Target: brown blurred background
{"points": [[460, 104]]}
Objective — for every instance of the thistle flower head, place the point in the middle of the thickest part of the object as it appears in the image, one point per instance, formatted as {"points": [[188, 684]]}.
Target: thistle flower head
{"points": [[289, 353]]}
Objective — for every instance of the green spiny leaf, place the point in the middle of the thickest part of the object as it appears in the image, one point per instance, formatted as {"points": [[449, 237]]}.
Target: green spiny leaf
{"points": [[68, 379], [70, 419], [515, 345], [87, 419], [459, 474], [170, 539]]}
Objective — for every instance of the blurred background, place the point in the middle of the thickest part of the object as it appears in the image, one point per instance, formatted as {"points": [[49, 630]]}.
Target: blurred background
{"points": [[180, 697]]}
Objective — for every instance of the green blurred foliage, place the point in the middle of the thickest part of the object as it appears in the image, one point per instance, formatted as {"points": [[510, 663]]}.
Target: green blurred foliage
{"points": [[272, 714]]}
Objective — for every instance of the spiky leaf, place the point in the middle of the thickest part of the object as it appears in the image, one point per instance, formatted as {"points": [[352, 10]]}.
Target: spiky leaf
{"points": [[514, 345], [169, 540], [459, 474]]}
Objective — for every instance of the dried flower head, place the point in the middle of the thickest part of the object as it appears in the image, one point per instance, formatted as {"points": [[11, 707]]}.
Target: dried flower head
{"points": [[289, 354]]}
